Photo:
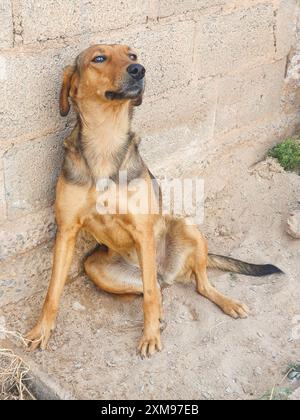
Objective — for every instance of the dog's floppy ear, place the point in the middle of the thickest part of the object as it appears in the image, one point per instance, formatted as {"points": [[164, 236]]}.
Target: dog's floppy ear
{"points": [[64, 105]]}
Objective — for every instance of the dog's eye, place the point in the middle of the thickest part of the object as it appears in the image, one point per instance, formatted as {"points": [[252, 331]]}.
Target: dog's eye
{"points": [[133, 57], [99, 59]]}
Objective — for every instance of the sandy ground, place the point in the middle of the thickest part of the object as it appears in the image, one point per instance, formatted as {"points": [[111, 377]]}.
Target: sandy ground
{"points": [[206, 355]]}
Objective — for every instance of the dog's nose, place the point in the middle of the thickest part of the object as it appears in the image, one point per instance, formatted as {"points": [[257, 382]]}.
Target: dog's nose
{"points": [[137, 71]]}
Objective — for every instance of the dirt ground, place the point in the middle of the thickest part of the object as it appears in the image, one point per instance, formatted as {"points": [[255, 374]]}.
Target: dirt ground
{"points": [[206, 355]]}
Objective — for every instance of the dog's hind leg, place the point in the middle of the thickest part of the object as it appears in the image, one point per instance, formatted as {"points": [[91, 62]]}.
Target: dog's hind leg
{"points": [[113, 274], [197, 261], [229, 306]]}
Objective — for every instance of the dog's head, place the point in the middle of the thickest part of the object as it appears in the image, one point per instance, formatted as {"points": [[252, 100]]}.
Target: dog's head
{"points": [[103, 73]]}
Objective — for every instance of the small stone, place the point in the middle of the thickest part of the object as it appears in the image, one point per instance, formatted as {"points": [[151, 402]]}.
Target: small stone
{"points": [[224, 231], [110, 363], [293, 224], [258, 371], [78, 307], [294, 375]]}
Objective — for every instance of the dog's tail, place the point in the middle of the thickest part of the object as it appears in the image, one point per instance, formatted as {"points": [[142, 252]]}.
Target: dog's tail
{"points": [[241, 267]]}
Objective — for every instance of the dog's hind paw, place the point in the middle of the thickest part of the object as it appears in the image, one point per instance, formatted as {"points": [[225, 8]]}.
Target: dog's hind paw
{"points": [[236, 309]]}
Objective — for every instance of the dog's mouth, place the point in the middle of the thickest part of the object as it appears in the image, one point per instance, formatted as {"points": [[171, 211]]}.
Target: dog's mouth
{"points": [[128, 91]]}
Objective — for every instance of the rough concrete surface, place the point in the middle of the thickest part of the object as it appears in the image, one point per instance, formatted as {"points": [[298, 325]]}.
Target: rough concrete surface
{"points": [[6, 24], [227, 50], [45, 157]]}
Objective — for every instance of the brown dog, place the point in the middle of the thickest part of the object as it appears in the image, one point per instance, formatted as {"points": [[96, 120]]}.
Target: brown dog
{"points": [[104, 85]]}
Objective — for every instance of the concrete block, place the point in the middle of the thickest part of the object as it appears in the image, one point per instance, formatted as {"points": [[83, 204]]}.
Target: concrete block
{"points": [[226, 42], [259, 135], [291, 92], [176, 152], [297, 37], [107, 15], [31, 170], [6, 24], [75, 17], [2, 198], [30, 85], [28, 232], [196, 105], [25, 275], [177, 129], [177, 7], [285, 27], [248, 96]]}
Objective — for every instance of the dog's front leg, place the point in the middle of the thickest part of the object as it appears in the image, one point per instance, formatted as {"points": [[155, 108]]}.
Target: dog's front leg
{"points": [[145, 245], [63, 253]]}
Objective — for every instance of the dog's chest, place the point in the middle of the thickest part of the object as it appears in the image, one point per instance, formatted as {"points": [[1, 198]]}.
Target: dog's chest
{"points": [[108, 230]]}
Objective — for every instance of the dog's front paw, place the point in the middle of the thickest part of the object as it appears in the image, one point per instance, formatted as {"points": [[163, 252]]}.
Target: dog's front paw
{"points": [[39, 336], [149, 344]]}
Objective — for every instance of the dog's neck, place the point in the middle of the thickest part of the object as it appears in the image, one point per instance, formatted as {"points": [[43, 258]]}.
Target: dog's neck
{"points": [[104, 135]]}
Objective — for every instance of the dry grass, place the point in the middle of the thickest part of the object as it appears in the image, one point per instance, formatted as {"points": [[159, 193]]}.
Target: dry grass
{"points": [[14, 373]]}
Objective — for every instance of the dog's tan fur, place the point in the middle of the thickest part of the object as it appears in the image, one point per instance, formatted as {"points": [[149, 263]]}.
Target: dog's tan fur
{"points": [[138, 248]]}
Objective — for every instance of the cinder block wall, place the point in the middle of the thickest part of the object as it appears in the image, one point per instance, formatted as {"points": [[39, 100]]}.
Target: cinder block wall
{"points": [[222, 86]]}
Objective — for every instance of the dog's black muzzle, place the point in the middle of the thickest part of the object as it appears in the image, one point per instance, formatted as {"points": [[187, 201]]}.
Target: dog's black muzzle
{"points": [[132, 86]]}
